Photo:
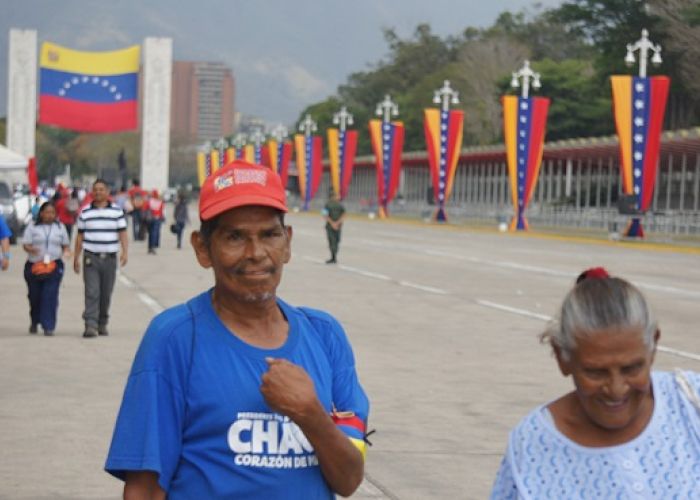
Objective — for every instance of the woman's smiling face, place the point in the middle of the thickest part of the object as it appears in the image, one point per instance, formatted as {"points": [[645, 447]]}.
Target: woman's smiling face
{"points": [[611, 369]]}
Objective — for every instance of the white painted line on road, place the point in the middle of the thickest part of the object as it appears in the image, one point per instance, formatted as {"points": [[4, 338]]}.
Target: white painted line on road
{"points": [[544, 317], [513, 310], [150, 302], [314, 260], [424, 288], [676, 352], [125, 281], [671, 289], [362, 272]]}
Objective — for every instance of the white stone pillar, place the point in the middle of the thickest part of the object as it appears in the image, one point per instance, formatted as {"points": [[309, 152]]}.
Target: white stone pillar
{"points": [[21, 92], [155, 115]]}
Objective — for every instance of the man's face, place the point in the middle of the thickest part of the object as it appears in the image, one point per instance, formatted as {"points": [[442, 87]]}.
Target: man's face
{"points": [[247, 251], [99, 192]]}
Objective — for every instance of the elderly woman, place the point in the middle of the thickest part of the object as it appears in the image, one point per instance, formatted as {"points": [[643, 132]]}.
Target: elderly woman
{"points": [[624, 431], [45, 241]]}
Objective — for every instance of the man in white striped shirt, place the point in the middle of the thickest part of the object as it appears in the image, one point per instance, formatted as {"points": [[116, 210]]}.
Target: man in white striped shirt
{"points": [[101, 231]]}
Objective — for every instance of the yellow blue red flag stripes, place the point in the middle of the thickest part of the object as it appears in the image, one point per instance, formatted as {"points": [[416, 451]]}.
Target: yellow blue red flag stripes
{"points": [[639, 104], [524, 124], [387, 144], [354, 428], [89, 91], [309, 151], [443, 136], [277, 156], [342, 145]]}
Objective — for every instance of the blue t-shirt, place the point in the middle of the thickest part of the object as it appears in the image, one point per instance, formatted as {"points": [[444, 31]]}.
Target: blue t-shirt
{"points": [[4, 229], [193, 412], [662, 462]]}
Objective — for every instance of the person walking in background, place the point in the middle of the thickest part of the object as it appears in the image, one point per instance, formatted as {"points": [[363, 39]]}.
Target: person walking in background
{"points": [[137, 197], [45, 241], [101, 232], [182, 218], [334, 214], [66, 209], [5, 235], [625, 430], [155, 207]]}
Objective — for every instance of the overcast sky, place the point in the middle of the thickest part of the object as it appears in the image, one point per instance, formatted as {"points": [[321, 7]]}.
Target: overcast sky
{"points": [[285, 54]]}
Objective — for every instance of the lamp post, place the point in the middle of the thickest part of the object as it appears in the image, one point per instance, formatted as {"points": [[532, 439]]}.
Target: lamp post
{"points": [[239, 141], [386, 109], [446, 96], [257, 137], [643, 45], [308, 126], [527, 74], [280, 133], [342, 118]]}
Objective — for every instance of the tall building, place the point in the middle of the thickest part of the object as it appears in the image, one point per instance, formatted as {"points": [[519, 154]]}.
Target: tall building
{"points": [[202, 101]]}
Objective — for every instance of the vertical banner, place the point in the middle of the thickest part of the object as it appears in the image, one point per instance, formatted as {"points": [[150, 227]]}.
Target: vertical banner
{"points": [[309, 151], [277, 155], [214, 162], [201, 167], [230, 154], [387, 145], [342, 146], [248, 153], [639, 105], [524, 125], [443, 136]]}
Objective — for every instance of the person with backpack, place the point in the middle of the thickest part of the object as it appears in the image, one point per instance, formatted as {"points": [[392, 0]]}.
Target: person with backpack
{"points": [[246, 395]]}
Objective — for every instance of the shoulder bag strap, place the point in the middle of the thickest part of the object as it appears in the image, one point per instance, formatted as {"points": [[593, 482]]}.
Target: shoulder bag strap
{"points": [[686, 388]]}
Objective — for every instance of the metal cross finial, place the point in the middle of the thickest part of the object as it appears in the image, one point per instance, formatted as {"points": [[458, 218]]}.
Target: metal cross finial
{"points": [[222, 143], [280, 132], [446, 95], [308, 126], [526, 73], [342, 118], [387, 108], [643, 45], [240, 140], [257, 137]]}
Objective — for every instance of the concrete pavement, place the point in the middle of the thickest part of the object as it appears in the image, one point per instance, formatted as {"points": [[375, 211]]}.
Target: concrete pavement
{"points": [[444, 324]]}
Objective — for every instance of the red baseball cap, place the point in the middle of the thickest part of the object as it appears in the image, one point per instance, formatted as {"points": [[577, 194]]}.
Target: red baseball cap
{"points": [[240, 184]]}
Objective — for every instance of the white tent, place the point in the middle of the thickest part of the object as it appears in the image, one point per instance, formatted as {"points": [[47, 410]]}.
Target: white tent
{"points": [[9, 160]]}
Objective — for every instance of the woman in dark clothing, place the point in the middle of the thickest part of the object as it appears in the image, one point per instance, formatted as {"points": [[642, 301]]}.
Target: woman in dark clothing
{"points": [[45, 242]]}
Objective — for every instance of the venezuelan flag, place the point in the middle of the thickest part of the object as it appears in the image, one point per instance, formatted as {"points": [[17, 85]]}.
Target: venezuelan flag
{"points": [[201, 167], [309, 152], [277, 156], [89, 91], [342, 146], [443, 135], [524, 124], [387, 145]]}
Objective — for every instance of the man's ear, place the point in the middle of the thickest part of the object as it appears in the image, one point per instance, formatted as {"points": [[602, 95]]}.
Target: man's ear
{"points": [[564, 364], [288, 250], [201, 250]]}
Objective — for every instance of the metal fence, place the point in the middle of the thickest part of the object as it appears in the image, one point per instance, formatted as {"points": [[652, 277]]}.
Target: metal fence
{"points": [[578, 186]]}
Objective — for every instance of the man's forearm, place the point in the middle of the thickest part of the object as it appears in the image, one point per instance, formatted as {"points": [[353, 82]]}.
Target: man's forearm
{"points": [[5, 245], [124, 240], [78, 245], [341, 462]]}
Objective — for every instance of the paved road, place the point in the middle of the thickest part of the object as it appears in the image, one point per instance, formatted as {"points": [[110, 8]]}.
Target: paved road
{"points": [[444, 322]]}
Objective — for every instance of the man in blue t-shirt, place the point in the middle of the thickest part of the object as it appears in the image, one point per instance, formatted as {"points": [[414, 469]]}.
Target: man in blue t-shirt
{"points": [[237, 394]]}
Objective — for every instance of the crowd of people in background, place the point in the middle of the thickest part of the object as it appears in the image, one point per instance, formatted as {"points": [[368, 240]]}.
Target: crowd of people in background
{"points": [[48, 233]]}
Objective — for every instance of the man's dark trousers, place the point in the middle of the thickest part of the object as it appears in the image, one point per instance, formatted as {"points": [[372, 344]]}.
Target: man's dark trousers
{"points": [[99, 274]]}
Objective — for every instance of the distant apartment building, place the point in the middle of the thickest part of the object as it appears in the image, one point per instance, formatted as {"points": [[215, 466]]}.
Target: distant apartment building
{"points": [[202, 101]]}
